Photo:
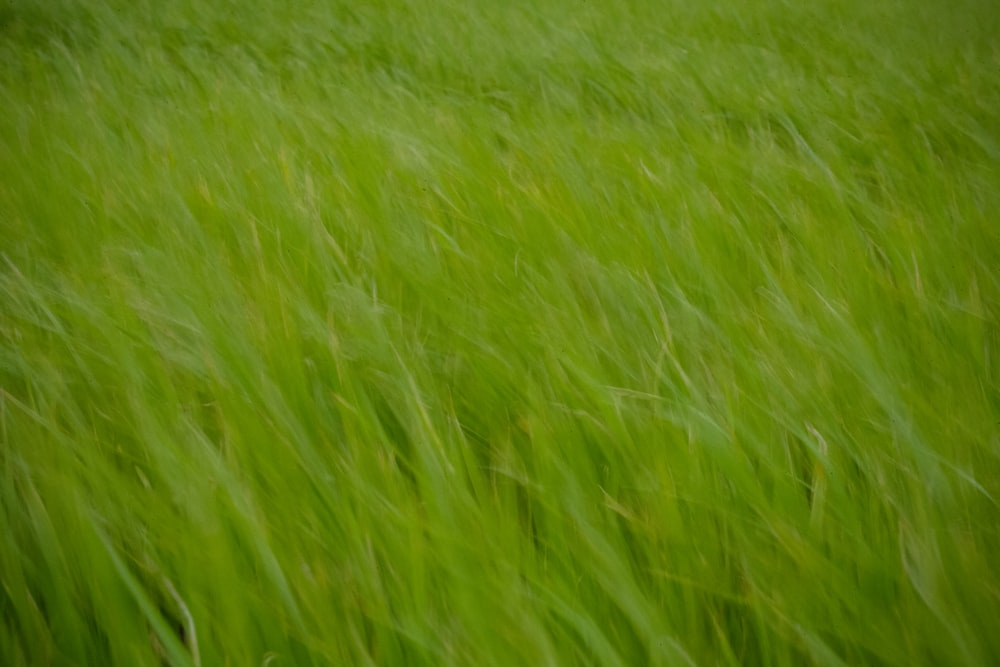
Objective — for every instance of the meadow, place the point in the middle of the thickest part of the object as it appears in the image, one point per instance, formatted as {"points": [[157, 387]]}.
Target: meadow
{"points": [[412, 332]]}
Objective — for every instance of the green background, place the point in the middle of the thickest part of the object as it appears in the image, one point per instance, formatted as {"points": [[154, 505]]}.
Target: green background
{"points": [[499, 333]]}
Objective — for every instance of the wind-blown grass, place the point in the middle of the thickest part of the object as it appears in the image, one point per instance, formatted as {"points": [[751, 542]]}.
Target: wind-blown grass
{"points": [[480, 333]]}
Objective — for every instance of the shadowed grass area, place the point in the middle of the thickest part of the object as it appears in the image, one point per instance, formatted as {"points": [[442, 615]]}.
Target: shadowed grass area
{"points": [[413, 332]]}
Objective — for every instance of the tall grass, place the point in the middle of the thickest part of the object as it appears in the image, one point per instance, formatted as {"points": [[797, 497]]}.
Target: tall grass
{"points": [[475, 333]]}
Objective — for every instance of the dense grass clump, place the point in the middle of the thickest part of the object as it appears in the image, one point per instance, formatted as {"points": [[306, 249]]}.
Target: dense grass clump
{"points": [[499, 333]]}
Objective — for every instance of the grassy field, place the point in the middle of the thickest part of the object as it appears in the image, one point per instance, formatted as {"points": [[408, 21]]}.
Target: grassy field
{"points": [[618, 332]]}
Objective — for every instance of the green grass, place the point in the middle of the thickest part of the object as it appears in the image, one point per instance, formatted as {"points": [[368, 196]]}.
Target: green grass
{"points": [[499, 333]]}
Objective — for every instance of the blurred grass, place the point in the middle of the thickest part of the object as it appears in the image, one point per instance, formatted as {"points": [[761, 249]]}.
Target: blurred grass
{"points": [[463, 333]]}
